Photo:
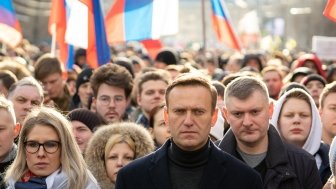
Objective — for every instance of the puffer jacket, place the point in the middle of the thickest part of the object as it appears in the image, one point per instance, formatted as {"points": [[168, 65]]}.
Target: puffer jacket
{"points": [[94, 156]]}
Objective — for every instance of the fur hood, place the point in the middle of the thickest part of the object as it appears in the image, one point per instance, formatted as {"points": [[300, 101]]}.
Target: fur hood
{"points": [[95, 152]]}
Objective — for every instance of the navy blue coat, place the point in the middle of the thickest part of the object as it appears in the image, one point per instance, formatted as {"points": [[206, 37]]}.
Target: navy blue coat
{"points": [[222, 171]]}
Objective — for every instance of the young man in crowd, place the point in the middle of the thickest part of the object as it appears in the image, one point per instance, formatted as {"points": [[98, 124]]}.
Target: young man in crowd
{"points": [[48, 70], [112, 85], [328, 112], [151, 90]]}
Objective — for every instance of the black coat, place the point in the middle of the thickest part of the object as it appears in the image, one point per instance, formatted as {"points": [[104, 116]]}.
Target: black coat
{"points": [[287, 166], [222, 171], [324, 170]]}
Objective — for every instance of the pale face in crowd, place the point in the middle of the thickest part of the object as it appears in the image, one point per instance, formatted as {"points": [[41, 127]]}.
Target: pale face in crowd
{"points": [[295, 121], [189, 116], [328, 116], [24, 98], [273, 82], [249, 118], [82, 134], [84, 93], [152, 94], [43, 163], [120, 155], [8, 132], [54, 85], [160, 131], [315, 89], [111, 103]]}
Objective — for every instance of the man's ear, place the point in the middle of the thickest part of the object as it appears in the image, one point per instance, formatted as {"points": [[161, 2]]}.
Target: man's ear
{"points": [[225, 114], [165, 115], [214, 117], [17, 129]]}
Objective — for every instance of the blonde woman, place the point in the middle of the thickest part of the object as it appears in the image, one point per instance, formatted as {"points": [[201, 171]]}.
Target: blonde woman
{"points": [[114, 146], [48, 156]]}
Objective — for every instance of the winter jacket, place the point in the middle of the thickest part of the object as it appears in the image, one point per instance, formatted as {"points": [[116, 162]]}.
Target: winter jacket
{"points": [[287, 166], [95, 152], [221, 171]]}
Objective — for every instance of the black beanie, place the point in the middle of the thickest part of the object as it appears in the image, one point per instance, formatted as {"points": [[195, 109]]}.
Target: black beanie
{"points": [[167, 56], [90, 119], [83, 77], [313, 77]]}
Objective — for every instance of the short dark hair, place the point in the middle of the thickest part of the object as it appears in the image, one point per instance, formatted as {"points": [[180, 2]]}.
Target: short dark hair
{"points": [[112, 75], [149, 76], [46, 65], [193, 79]]}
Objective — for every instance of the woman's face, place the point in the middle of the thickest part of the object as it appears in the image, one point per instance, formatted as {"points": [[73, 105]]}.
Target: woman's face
{"points": [[160, 131], [120, 155], [42, 163], [295, 121]]}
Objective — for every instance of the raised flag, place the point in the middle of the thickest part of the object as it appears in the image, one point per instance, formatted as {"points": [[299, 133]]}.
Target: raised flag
{"points": [[222, 25], [330, 10], [79, 23], [134, 20], [10, 30]]}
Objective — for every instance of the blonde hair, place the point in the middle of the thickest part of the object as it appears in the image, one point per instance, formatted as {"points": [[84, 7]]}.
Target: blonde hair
{"points": [[7, 106], [72, 161], [117, 139]]}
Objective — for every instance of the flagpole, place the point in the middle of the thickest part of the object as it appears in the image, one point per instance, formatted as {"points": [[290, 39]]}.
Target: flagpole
{"points": [[203, 26], [53, 42]]}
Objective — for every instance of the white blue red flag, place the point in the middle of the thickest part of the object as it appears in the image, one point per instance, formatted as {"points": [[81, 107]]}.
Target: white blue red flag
{"points": [[10, 30], [222, 25], [136, 20]]}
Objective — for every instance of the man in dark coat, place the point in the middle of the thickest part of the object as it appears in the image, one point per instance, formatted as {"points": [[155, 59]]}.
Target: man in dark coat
{"points": [[257, 143], [189, 159]]}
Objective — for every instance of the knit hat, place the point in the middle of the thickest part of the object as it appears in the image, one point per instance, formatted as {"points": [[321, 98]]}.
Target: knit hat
{"points": [[313, 77], [300, 71], [83, 77], [167, 56], [90, 119]]}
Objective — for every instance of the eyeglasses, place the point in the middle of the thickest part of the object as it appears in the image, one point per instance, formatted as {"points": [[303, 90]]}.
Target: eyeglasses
{"points": [[49, 146], [106, 100]]}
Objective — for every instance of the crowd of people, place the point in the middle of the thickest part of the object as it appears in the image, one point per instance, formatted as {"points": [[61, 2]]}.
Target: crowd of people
{"points": [[182, 119]]}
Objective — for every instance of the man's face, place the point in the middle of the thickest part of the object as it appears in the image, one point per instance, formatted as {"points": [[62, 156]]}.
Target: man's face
{"points": [[8, 132], [153, 92], [54, 85], [24, 98], [111, 103], [315, 88], [328, 115], [249, 118], [190, 116], [82, 134], [273, 82]]}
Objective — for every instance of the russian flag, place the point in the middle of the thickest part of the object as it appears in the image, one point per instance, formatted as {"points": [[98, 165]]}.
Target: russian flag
{"points": [[330, 10], [222, 25], [10, 30], [57, 27], [81, 24], [135, 20]]}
